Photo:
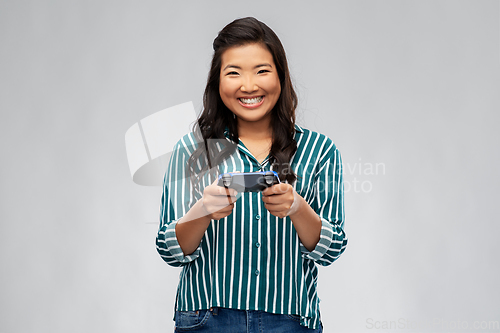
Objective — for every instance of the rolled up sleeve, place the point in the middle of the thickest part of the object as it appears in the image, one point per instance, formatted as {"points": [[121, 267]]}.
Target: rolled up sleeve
{"points": [[177, 199], [169, 249], [329, 204]]}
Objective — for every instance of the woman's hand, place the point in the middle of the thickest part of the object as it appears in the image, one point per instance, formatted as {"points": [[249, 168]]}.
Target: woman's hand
{"points": [[218, 201], [281, 200]]}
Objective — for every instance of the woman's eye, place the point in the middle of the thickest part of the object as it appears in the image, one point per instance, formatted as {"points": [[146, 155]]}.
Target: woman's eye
{"points": [[263, 71], [232, 73]]}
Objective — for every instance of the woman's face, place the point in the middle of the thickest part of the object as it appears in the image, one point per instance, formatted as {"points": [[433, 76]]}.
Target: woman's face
{"points": [[249, 83]]}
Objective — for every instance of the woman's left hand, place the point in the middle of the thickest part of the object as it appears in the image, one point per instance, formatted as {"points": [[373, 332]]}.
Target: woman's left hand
{"points": [[281, 200]]}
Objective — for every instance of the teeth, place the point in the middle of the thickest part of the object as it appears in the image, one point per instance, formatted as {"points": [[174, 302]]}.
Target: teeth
{"points": [[251, 100]]}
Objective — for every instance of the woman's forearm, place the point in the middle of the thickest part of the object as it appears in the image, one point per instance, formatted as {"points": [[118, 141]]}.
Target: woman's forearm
{"points": [[307, 223], [191, 228]]}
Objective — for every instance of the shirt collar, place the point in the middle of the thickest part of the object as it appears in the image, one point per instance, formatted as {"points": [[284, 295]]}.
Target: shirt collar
{"points": [[298, 129]]}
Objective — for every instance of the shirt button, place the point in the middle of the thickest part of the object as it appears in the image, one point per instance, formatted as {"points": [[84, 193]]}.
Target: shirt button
{"points": [[257, 244], [257, 217], [257, 272]]}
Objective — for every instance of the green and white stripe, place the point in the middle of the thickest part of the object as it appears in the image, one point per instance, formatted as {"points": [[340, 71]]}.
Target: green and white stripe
{"points": [[252, 260]]}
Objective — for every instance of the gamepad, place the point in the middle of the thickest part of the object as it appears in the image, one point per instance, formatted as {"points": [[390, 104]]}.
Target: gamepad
{"points": [[249, 181]]}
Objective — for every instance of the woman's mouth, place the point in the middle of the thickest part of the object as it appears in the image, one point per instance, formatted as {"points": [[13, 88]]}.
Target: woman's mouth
{"points": [[251, 102]]}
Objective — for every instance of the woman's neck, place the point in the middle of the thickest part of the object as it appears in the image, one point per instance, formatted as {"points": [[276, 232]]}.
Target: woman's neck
{"points": [[255, 130]]}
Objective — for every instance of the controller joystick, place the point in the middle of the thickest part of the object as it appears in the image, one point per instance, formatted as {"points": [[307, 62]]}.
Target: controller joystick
{"points": [[226, 180], [269, 178]]}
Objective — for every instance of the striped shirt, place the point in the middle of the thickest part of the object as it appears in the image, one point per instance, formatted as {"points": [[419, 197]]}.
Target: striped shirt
{"points": [[252, 260]]}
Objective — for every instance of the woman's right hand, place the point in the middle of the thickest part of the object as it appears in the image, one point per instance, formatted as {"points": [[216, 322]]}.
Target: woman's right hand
{"points": [[218, 201]]}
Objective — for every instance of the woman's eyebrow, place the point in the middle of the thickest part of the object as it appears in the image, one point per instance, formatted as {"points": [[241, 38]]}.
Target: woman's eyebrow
{"points": [[238, 67], [231, 66]]}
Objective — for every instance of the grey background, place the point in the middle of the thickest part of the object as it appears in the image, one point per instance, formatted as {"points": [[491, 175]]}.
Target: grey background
{"points": [[411, 85]]}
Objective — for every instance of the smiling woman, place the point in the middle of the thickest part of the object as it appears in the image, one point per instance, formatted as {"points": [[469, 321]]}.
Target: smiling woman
{"points": [[249, 259], [250, 86]]}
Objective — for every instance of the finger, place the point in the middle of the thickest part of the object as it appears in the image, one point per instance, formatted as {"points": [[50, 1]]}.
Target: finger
{"points": [[223, 201], [226, 198], [270, 199], [276, 207], [230, 192], [275, 198], [276, 189], [228, 208], [226, 191], [225, 211], [229, 196], [220, 209], [277, 212], [217, 190], [220, 201]]}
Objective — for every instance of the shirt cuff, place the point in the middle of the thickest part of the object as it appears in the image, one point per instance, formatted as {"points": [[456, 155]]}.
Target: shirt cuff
{"points": [[175, 249], [325, 240]]}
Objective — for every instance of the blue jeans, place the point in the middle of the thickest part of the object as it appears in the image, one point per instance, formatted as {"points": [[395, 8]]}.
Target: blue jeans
{"points": [[238, 321]]}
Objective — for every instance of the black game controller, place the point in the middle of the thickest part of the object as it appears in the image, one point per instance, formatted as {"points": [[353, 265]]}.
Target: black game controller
{"points": [[249, 181]]}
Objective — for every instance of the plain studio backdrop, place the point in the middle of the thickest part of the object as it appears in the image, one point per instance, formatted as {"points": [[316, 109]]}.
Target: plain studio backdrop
{"points": [[408, 90]]}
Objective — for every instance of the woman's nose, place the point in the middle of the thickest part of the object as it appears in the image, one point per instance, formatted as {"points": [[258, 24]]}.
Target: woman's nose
{"points": [[248, 85]]}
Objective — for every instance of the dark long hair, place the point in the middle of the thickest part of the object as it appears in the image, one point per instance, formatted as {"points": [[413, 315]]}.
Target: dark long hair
{"points": [[216, 117]]}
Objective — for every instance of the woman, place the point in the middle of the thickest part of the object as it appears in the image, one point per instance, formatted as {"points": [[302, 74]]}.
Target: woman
{"points": [[249, 259]]}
